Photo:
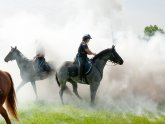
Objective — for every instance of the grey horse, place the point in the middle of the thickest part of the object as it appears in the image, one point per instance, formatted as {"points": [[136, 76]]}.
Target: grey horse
{"points": [[93, 78], [28, 72]]}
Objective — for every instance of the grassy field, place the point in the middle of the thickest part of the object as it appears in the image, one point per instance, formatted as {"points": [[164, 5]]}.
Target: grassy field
{"points": [[50, 114]]}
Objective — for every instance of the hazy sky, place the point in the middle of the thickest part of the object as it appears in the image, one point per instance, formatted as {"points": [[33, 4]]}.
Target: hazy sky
{"points": [[131, 13]]}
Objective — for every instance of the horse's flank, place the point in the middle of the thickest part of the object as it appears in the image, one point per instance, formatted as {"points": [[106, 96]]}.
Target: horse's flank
{"points": [[8, 96]]}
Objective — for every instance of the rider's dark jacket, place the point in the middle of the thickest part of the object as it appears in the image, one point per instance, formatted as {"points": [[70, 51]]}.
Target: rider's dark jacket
{"points": [[82, 57], [41, 64], [81, 52]]}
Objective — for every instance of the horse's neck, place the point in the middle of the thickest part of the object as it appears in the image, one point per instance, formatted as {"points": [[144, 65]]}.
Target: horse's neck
{"points": [[100, 64], [21, 62]]}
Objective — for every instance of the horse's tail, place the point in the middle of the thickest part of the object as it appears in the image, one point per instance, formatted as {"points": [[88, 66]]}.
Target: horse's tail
{"points": [[57, 80], [11, 100]]}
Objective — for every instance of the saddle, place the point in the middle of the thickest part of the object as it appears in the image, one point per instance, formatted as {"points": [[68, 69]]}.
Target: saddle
{"points": [[73, 69]]}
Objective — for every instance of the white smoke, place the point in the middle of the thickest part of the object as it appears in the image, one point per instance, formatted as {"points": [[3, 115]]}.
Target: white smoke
{"points": [[139, 83], [59, 27]]}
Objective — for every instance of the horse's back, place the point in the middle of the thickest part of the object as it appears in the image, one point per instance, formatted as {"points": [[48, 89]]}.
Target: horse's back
{"points": [[63, 70], [52, 66], [66, 64]]}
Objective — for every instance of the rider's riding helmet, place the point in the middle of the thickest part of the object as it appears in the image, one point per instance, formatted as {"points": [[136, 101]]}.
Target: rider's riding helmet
{"points": [[85, 37]]}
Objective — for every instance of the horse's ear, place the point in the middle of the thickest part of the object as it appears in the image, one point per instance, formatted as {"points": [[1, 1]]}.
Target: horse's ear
{"points": [[15, 47], [11, 47], [113, 46]]}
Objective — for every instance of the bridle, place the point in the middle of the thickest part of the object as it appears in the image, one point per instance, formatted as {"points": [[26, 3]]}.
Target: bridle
{"points": [[114, 64]]}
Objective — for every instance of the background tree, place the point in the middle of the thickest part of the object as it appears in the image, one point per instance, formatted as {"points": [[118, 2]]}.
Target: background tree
{"points": [[151, 30]]}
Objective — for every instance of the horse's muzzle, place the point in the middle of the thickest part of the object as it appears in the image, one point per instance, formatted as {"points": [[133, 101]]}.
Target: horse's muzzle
{"points": [[120, 62], [5, 60]]}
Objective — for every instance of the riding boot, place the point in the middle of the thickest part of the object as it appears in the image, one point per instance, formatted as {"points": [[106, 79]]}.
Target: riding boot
{"points": [[81, 73]]}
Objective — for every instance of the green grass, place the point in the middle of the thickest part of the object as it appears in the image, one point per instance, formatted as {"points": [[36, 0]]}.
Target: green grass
{"points": [[51, 114]]}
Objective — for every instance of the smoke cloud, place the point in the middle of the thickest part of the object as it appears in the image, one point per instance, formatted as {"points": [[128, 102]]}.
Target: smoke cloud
{"points": [[139, 83], [59, 26]]}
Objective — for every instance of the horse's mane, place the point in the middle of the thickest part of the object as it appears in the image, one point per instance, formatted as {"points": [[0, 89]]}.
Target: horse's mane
{"points": [[23, 57], [100, 54]]}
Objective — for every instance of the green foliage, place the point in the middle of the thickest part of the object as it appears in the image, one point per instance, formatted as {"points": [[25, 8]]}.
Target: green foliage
{"points": [[151, 30], [44, 114]]}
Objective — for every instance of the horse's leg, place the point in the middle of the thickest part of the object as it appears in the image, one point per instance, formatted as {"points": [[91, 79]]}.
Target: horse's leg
{"points": [[62, 88], [20, 85], [61, 93], [2, 110], [34, 88], [5, 115], [51, 79], [74, 84], [93, 90]]}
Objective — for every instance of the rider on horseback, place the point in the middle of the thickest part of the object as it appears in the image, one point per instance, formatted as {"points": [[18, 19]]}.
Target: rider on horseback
{"points": [[40, 61], [81, 56]]}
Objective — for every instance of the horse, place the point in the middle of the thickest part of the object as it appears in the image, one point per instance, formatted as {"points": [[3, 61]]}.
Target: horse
{"points": [[7, 96], [27, 69], [93, 78]]}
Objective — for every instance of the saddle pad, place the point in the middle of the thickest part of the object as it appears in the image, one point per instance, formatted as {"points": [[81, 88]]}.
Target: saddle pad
{"points": [[73, 70]]}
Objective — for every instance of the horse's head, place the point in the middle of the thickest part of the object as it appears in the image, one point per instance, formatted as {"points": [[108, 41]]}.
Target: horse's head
{"points": [[11, 55], [114, 56]]}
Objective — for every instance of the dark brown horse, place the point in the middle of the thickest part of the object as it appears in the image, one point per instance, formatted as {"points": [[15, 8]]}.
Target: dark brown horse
{"points": [[8, 96]]}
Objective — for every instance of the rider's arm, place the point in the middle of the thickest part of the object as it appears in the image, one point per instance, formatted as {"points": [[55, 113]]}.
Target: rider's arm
{"points": [[88, 51]]}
